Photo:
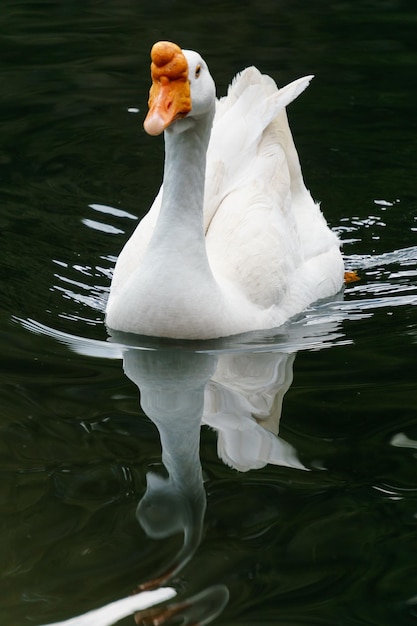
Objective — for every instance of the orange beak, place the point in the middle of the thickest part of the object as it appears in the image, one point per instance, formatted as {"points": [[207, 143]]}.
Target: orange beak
{"points": [[169, 95]]}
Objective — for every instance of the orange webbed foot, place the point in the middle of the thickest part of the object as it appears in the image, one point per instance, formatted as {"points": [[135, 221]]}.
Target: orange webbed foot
{"points": [[351, 277]]}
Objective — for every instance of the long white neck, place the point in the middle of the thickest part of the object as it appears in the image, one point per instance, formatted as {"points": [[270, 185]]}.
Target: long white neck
{"points": [[180, 226]]}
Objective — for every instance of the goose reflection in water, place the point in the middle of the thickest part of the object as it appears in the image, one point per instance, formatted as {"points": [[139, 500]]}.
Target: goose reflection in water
{"points": [[239, 393], [233, 393]]}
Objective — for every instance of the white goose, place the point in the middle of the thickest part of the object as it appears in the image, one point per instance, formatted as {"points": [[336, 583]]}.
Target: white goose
{"points": [[234, 241]]}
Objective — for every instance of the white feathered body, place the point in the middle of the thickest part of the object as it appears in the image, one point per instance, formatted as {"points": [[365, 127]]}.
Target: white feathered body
{"points": [[268, 245]]}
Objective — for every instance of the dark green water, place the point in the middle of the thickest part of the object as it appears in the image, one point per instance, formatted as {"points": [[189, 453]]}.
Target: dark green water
{"points": [[333, 545]]}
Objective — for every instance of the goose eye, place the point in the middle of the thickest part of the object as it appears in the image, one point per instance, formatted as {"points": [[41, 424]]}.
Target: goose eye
{"points": [[197, 71]]}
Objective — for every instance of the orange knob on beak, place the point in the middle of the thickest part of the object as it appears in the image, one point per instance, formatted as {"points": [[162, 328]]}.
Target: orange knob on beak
{"points": [[169, 95]]}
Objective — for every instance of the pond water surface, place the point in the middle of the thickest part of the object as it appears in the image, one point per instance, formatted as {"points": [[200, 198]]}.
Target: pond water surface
{"points": [[100, 492]]}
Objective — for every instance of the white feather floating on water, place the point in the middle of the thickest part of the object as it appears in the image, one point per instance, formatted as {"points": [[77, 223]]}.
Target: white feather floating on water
{"points": [[115, 611]]}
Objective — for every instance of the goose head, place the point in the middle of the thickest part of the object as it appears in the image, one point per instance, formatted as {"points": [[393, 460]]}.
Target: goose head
{"points": [[182, 90]]}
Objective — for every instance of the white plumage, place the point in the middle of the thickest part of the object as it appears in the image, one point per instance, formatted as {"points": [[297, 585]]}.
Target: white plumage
{"points": [[231, 244]]}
